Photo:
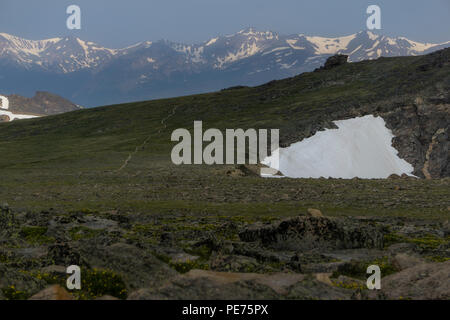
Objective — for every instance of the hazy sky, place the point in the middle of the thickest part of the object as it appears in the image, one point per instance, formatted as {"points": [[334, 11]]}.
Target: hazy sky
{"points": [[116, 23]]}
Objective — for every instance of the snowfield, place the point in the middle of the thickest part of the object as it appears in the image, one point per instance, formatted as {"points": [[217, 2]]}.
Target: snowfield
{"points": [[360, 147]]}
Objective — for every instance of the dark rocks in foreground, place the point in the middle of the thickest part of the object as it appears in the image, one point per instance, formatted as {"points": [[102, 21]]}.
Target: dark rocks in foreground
{"points": [[311, 232], [304, 257]]}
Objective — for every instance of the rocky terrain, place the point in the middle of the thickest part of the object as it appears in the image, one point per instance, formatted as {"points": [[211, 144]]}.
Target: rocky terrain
{"points": [[135, 256]]}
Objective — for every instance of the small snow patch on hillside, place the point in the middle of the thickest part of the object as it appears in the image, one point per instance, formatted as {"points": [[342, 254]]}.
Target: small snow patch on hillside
{"points": [[4, 107], [15, 116], [360, 147]]}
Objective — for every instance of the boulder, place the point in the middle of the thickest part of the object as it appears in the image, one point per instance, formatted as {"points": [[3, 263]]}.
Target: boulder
{"points": [[203, 284], [54, 292], [426, 281], [324, 278], [64, 254], [334, 61], [404, 261], [55, 270], [4, 118], [303, 233], [138, 268], [316, 213]]}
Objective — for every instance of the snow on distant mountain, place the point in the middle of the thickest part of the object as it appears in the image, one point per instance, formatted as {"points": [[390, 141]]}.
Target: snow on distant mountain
{"points": [[71, 54], [65, 55], [90, 74]]}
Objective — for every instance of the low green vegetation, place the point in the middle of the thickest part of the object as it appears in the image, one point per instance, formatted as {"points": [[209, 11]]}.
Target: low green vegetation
{"points": [[81, 232], [427, 242], [11, 293], [186, 266], [438, 259], [96, 283], [36, 235]]}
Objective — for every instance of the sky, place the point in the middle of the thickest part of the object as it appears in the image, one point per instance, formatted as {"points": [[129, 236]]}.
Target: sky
{"points": [[116, 24]]}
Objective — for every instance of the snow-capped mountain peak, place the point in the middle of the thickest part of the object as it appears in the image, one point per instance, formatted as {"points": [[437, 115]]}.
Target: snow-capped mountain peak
{"points": [[330, 45], [18, 45], [248, 57], [64, 55], [70, 54], [251, 32]]}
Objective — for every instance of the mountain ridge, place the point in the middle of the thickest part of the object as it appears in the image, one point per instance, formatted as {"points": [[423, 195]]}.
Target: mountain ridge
{"points": [[90, 75], [322, 45]]}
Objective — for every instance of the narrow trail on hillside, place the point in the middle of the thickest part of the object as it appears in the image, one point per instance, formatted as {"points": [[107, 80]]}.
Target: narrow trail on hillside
{"points": [[141, 146]]}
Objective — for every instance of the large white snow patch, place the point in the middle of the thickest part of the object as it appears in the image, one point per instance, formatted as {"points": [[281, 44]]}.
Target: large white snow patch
{"points": [[360, 147]]}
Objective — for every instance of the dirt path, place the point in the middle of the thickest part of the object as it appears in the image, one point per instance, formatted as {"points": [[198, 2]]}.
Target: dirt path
{"points": [[140, 147]]}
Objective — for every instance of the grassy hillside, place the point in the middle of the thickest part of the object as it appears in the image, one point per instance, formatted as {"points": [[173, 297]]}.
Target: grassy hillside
{"points": [[71, 161]]}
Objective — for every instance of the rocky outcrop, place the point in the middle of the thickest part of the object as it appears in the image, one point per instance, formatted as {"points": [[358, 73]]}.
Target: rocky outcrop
{"points": [[421, 136], [311, 232], [418, 118], [335, 61], [436, 154], [137, 267], [201, 284], [43, 103], [54, 292], [420, 282]]}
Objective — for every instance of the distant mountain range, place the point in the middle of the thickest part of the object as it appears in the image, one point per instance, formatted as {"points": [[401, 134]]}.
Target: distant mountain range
{"points": [[91, 75]]}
